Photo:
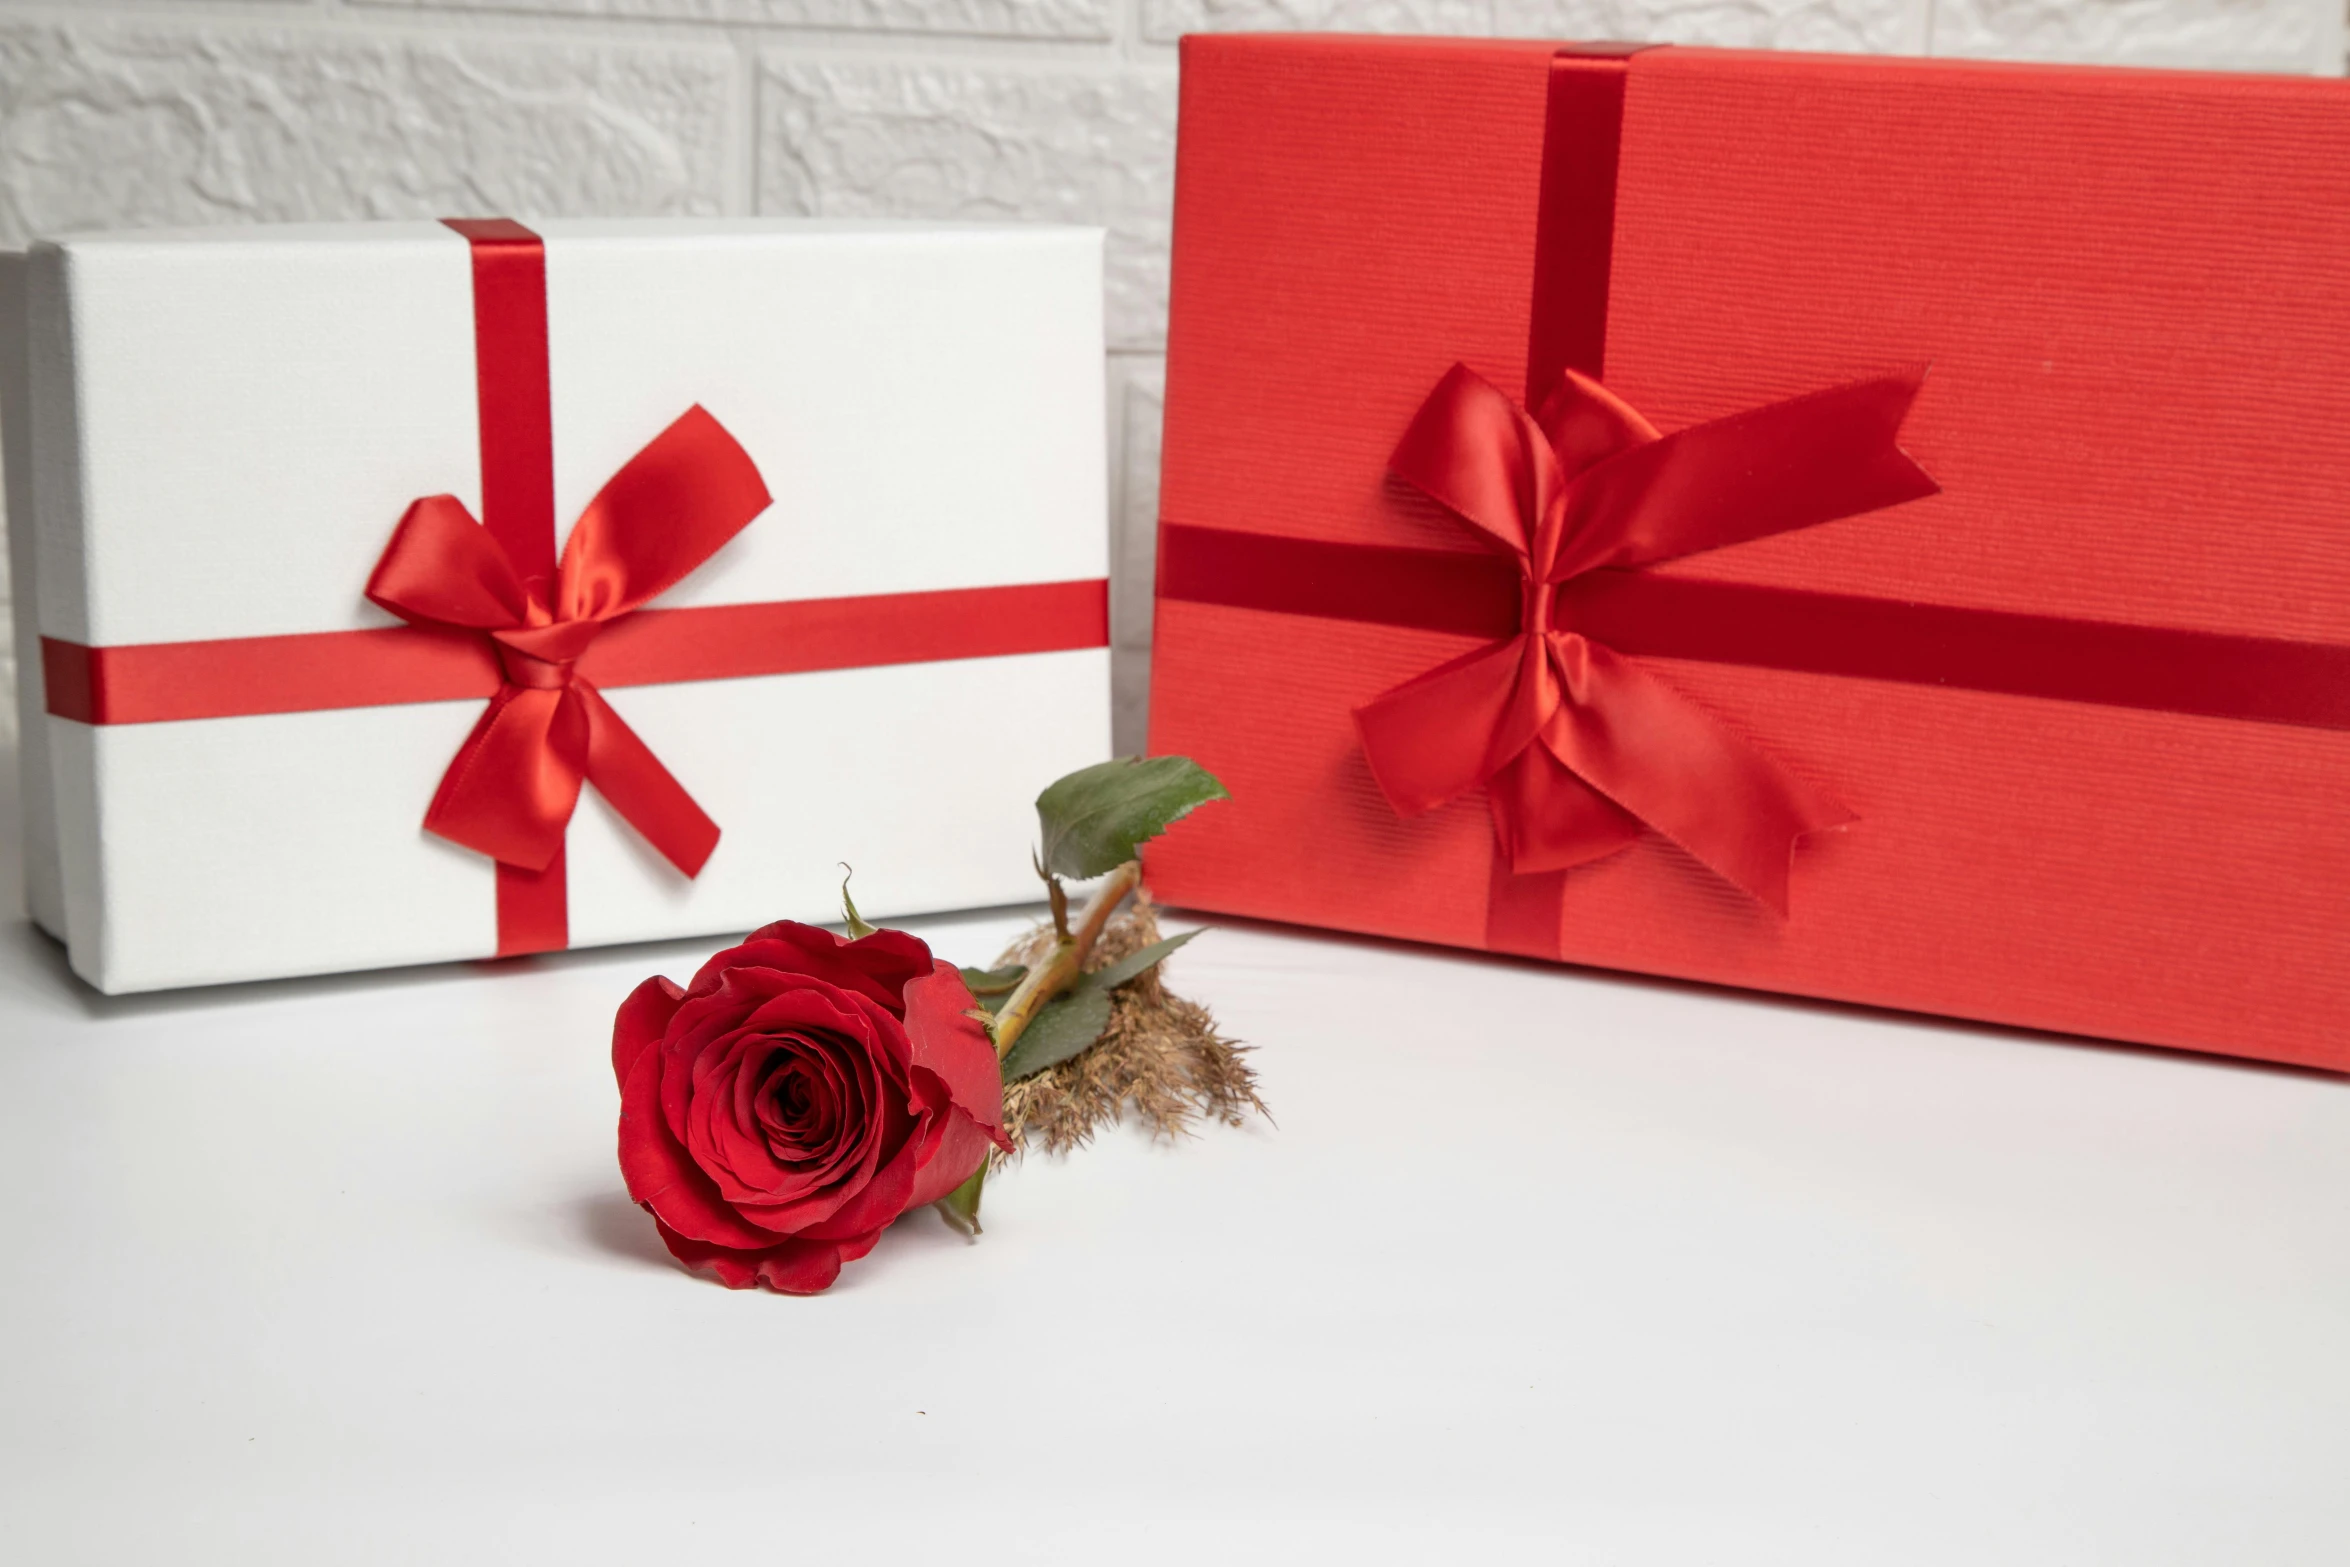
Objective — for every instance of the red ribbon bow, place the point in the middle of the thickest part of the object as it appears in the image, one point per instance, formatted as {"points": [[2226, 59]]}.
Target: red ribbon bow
{"points": [[511, 790], [1576, 745]]}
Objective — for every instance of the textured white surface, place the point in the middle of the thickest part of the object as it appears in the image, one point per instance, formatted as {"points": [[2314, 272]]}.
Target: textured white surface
{"points": [[2259, 35], [1167, 20], [28, 866], [1888, 26], [245, 430], [1884, 26], [129, 112], [1538, 1267], [144, 118], [1092, 19], [1083, 146]]}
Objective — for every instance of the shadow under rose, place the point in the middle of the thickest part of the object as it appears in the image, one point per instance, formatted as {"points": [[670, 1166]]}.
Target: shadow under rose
{"points": [[609, 1223]]}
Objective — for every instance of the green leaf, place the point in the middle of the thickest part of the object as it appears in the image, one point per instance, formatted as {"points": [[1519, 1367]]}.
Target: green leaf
{"points": [[960, 1207], [984, 982], [1064, 1027], [858, 929], [1095, 818], [1111, 975]]}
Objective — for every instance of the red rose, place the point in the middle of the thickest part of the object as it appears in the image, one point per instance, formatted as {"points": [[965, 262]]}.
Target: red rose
{"points": [[800, 1094]]}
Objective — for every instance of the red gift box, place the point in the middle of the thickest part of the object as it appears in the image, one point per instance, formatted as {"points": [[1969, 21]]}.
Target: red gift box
{"points": [[1597, 480]]}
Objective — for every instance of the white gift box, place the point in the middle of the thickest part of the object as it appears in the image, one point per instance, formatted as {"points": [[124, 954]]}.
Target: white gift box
{"points": [[223, 427]]}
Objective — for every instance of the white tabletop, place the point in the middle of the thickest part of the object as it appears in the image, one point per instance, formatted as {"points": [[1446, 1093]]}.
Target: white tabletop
{"points": [[1537, 1265]]}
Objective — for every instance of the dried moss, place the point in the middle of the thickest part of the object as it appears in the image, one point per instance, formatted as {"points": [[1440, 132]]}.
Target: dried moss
{"points": [[1162, 1057]]}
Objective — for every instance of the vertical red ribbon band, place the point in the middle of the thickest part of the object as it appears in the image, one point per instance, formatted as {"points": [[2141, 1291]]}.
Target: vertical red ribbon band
{"points": [[516, 403], [1574, 253]]}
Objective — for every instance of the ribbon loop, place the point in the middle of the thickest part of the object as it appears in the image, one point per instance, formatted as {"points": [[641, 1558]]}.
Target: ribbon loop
{"points": [[1576, 745], [1586, 423], [444, 568], [671, 507], [1475, 453]]}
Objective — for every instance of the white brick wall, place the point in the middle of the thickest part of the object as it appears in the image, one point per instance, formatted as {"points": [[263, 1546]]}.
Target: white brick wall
{"points": [[126, 112]]}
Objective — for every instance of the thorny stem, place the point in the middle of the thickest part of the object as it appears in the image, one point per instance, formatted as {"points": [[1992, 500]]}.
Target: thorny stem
{"points": [[1056, 973], [1060, 897]]}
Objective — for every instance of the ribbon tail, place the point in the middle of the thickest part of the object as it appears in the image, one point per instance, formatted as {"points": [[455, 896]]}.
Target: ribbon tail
{"points": [[1787, 465], [628, 775], [1547, 819], [1429, 740], [1676, 767], [510, 791]]}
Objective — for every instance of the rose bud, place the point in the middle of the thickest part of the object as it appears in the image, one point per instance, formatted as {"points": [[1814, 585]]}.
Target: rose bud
{"points": [[800, 1094]]}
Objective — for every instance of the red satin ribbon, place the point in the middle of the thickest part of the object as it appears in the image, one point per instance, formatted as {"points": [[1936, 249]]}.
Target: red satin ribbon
{"points": [[1575, 219], [317, 671], [1576, 746], [2054, 657], [515, 782], [513, 785], [515, 408]]}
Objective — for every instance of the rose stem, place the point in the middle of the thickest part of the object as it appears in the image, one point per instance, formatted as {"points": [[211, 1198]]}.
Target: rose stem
{"points": [[1054, 975]]}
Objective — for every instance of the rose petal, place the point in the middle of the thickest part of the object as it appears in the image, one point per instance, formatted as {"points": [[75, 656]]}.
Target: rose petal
{"points": [[663, 1177], [878, 965], [786, 1197], [806, 1104], [641, 1021], [791, 1268], [891, 958], [842, 1087], [772, 998], [816, 1006], [951, 1043], [708, 1019], [722, 1130], [737, 1158], [880, 1199], [797, 1010], [952, 1162], [867, 1198]]}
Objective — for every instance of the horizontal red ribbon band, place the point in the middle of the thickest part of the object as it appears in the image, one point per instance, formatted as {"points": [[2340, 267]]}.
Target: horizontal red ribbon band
{"points": [[1466, 593], [162, 682]]}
